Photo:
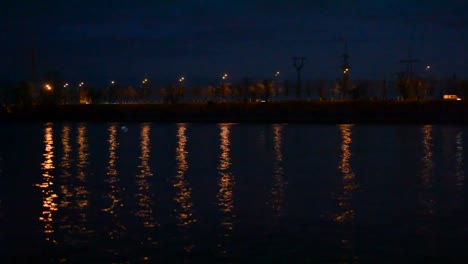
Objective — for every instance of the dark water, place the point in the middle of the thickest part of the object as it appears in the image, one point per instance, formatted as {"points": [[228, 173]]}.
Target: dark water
{"points": [[79, 192]]}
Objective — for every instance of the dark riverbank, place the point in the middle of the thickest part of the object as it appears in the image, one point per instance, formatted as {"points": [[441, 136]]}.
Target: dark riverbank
{"points": [[418, 112]]}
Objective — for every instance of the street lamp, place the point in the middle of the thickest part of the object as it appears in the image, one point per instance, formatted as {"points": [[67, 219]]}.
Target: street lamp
{"points": [[80, 85], [224, 78], [276, 84], [112, 82], [48, 87]]}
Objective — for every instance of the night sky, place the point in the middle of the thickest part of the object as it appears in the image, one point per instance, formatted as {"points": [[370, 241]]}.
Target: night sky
{"points": [[98, 41]]}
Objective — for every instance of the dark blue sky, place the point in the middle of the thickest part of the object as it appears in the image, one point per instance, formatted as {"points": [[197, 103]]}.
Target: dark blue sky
{"points": [[96, 41]]}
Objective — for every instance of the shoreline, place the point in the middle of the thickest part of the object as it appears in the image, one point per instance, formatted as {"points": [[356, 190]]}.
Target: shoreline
{"points": [[318, 112]]}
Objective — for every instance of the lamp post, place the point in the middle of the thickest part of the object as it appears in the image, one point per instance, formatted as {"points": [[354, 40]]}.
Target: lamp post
{"points": [[47, 94], [224, 78], [80, 87], [224, 85], [276, 83], [66, 93]]}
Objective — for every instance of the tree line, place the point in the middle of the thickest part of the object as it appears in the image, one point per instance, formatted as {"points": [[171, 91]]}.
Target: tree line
{"points": [[26, 93]]}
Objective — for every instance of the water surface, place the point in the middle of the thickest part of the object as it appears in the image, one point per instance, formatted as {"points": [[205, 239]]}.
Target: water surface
{"points": [[97, 192]]}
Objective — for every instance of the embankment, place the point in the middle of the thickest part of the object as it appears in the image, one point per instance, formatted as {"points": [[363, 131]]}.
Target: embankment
{"points": [[416, 112]]}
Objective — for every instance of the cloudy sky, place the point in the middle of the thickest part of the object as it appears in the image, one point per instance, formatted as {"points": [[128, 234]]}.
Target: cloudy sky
{"points": [[99, 41]]}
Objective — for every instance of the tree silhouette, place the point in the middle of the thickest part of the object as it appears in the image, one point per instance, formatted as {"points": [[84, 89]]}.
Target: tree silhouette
{"points": [[24, 94], [267, 89], [402, 85], [383, 90]]}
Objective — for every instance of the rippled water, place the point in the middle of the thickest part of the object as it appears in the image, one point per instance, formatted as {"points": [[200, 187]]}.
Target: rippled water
{"points": [[95, 192]]}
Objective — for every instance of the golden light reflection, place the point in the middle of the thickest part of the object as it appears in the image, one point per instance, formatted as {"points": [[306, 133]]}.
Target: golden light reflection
{"points": [[184, 212], [144, 201], [114, 195], [277, 190], [81, 192], [226, 184], [49, 205], [344, 199], [65, 177], [426, 174]]}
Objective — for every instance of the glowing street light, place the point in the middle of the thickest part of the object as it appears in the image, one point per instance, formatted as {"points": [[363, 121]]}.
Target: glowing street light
{"points": [[277, 74], [181, 79], [48, 87], [225, 76], [65, 85], [112, 82], [81, 84], [428, 67], [346, 70]]}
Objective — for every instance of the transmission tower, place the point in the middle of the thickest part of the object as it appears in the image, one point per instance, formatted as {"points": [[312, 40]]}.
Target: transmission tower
{"points": [[298, 63], [410, 61]]}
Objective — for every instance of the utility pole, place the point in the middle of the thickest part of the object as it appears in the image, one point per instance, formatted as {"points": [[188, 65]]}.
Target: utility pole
{"points": [[412, 93], [298, 63], [345, 79]]}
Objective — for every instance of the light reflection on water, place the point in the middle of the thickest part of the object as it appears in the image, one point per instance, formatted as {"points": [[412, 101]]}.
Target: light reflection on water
{"points": [[455, 167], [184, 209], [345, 217], [277, 190], [427, 164], [144, 194], [66, 185], [459, 170], [81, 191], [65, 166], [114, 192], [344, 198], [225, 191], [427, 202], [460, 174], [426, 175], [49, 203]]}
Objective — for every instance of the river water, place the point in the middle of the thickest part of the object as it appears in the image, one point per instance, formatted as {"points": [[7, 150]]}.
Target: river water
{"points": [[146, 192]]}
